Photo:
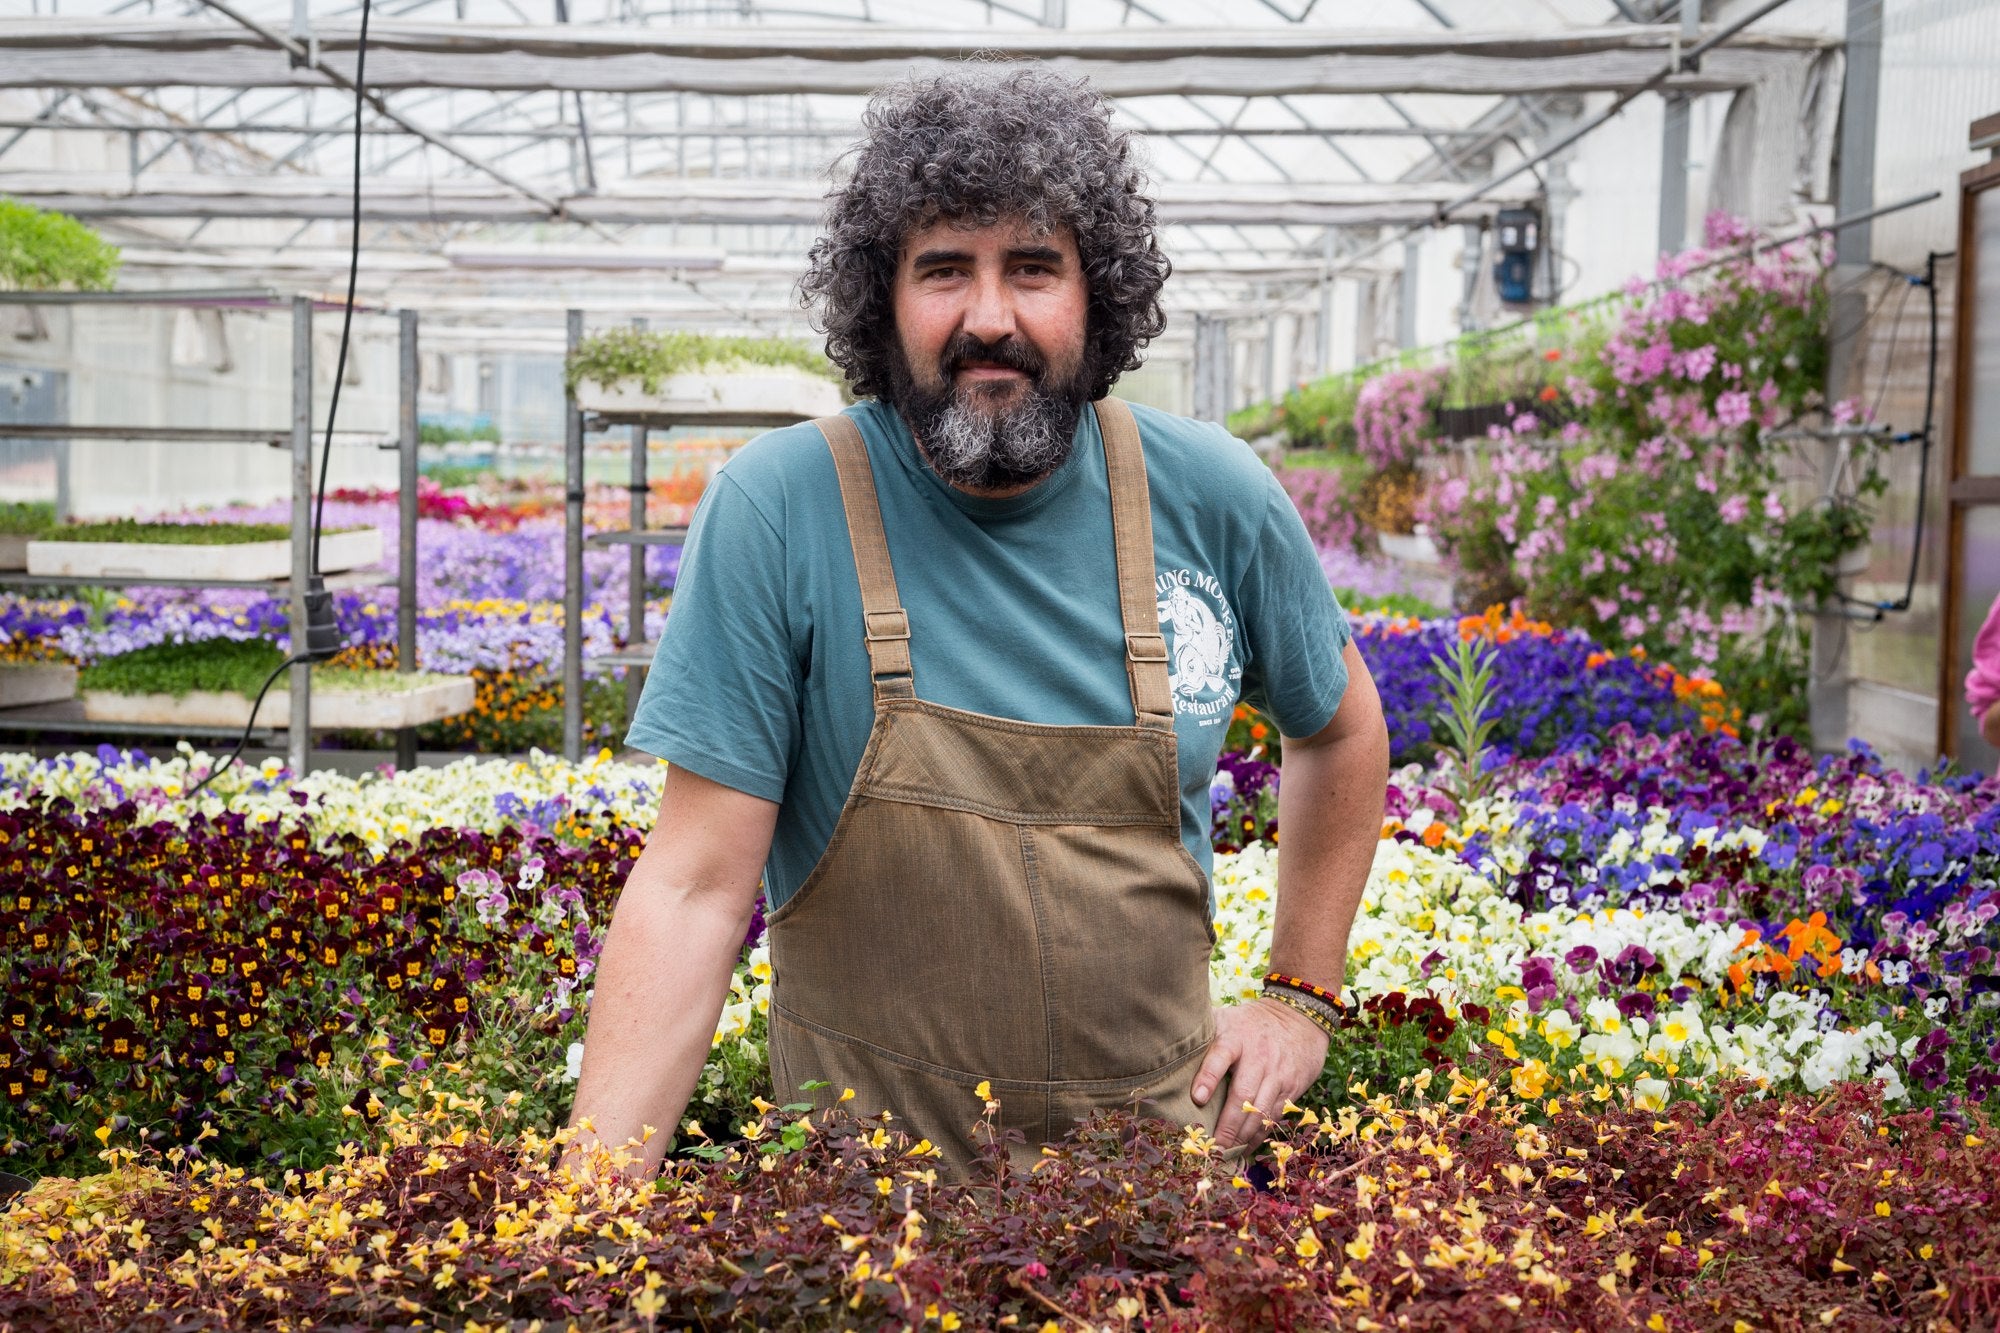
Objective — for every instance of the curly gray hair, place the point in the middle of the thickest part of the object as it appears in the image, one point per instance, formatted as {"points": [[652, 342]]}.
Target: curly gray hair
{"points": [[980, 146]]}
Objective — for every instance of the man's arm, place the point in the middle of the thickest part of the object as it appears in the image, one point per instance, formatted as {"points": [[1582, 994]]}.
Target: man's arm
{"points": [[1989, 725], [1330, 796], [674, 940]]}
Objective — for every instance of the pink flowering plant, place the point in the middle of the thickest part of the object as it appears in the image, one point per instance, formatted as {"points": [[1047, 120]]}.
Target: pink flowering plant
{"points": [[1393, 416], [1671, 511]]}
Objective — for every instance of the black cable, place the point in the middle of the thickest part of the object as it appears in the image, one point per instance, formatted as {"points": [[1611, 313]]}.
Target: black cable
{"points": [[322, 633], [249, 726], [353, 274], [1925, 437]]}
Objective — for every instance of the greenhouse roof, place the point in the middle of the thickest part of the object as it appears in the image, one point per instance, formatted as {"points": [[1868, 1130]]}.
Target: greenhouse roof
{"points": [[673, 155]]}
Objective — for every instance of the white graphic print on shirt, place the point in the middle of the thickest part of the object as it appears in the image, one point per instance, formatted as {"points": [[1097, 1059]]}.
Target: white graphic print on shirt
{"points": [[1200, 629]]}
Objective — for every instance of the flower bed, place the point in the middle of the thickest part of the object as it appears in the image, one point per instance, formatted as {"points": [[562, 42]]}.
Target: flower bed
{"points": [[1624, 951], [1670, 1025], [1452, 1213]]}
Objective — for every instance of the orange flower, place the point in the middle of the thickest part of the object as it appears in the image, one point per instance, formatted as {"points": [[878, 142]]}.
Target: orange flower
{"points": [[1549, 393], [1553, 354]]}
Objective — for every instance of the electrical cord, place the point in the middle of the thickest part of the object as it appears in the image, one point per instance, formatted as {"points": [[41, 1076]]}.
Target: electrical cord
{"points": [[1925, 436], [322, 629], [249, 726], [353, 274]]}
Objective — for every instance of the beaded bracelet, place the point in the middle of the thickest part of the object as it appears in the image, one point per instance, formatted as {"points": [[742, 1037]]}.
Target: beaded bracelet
{"points": [[1302, 985], [1300, 1000], [1320, 1021]]}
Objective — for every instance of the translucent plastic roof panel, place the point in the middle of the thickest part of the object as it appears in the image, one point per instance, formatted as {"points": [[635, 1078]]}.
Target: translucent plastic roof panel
{"points": [[680, 161]]}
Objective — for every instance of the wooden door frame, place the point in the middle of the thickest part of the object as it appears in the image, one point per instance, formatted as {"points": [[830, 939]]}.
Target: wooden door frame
{"points": [[1962, 492]]}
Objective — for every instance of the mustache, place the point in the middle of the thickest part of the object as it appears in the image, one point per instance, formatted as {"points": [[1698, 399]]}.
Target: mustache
{"points": [[1011, 352]]}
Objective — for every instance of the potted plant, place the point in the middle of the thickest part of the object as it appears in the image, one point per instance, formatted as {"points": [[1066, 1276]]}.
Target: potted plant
{"points": [[626, 373], [21, 523]]}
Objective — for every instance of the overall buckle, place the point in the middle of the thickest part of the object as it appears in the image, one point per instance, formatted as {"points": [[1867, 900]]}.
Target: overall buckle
{"points": [[887, 625], [1146, 647]]}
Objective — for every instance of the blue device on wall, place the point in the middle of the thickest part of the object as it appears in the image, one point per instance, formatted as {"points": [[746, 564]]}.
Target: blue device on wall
{"points": [[1518, 233]]}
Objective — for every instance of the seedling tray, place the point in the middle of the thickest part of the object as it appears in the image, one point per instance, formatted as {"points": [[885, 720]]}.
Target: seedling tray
{"points": [[332, 709], [749, 396], [247, 561]]}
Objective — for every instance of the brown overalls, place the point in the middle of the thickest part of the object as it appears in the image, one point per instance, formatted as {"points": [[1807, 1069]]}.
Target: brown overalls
{"points": [[1002, 901]]}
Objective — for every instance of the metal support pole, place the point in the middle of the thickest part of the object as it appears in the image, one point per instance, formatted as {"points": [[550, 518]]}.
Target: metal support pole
{"points": [[1828, 704], [1858, 110], [1271, 390], [1674, 174], [635, 598], [298, 736], [1559, 195], [1406, 309], [406, 523], [1674, 147], [1211, 368], [1325, 349], [1471, 262], [572, 666]]}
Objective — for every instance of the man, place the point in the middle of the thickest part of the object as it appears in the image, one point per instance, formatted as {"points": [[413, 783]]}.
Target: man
{"points": [[951, 672]]}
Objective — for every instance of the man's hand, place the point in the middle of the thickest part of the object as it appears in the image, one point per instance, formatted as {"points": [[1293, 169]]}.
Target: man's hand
{"points": [[1271, 1053]]}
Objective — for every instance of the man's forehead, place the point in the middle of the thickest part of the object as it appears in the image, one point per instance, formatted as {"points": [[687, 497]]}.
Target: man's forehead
{"points": [[1006, 231]]}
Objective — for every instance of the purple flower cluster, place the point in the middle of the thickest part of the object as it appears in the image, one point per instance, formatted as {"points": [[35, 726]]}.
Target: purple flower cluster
{"points": [[1551, 697]]}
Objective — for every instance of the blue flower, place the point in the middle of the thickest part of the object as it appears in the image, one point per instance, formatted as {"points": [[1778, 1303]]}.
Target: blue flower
{"points": [[1927, 861]]}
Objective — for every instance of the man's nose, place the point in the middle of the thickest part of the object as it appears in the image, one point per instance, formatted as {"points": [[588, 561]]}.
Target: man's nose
{"points": [[989, 311]]}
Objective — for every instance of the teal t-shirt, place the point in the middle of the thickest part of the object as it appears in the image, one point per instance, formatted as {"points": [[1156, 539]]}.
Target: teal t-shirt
{"points": [[761, 679]]}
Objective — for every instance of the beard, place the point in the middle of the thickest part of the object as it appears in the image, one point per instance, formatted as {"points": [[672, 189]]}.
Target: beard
{"points": [[993, 435]]}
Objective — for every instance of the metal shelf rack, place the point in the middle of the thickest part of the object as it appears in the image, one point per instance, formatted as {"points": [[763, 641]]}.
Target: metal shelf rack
{"points": [[299, 438], [637, 656]]}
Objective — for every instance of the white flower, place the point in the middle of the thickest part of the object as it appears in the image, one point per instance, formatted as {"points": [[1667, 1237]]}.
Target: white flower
{"points": [[1649, 1094], [573, 1062]]}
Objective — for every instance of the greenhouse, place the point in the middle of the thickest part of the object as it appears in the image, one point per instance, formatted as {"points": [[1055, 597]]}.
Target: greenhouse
{"points": [[1050, 664]]}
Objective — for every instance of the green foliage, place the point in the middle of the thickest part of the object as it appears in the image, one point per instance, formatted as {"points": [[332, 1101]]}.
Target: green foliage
{"points": [[170, 534], [29, 518], [456, 476], [1471, 713], [626, 353], [41, 252], [226, 666], [1320, 413], [1315, 414], [1388, 603], [1247, 423], [220, 666], [436, 432]]}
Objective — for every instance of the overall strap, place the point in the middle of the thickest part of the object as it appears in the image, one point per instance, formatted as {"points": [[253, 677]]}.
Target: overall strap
{"points": [[1132, 535], [885, 625]]}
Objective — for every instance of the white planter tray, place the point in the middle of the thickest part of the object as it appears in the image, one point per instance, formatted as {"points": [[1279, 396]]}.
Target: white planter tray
{"points": [[777, 394], [36, 683], [1415, 548], [14, 550], [247, 561], [358, 710]]}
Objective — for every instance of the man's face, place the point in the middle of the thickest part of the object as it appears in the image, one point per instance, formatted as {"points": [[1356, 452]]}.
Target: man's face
{"points": [[991, 325]]}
